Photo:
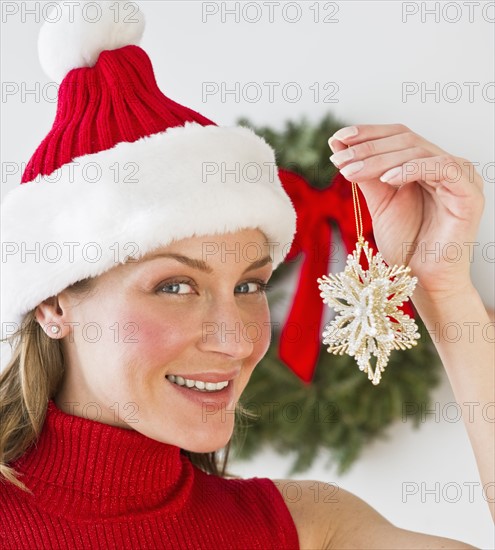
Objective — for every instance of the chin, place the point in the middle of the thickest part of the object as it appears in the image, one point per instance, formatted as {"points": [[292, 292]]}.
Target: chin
{"points": [[203, 449], [202, 443], [208, 442]]}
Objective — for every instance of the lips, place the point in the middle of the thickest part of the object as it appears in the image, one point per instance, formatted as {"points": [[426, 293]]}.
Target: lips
{"points": [[210, 401], [215, 377], [198, 385]]}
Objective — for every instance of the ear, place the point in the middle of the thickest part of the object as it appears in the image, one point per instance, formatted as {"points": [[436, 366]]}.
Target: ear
{"points": [[49, 315]]}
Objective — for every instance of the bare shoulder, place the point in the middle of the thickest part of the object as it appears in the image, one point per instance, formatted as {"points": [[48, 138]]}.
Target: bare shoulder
{"points": [[327, 516]]}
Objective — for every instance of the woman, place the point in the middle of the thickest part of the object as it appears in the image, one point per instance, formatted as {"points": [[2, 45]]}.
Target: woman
{"points": [[129, 363]]}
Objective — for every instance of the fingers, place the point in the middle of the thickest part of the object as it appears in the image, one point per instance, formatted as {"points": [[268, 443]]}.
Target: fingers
{"points": [[377, 166], [444, 171], [368, 140], [351, 135], [381, 151], [382, 146], [366, 132]]}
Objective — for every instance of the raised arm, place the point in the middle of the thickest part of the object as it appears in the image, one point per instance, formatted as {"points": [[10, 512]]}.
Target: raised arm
{"points": [[422, 201], [425, 204], [469, 359]]}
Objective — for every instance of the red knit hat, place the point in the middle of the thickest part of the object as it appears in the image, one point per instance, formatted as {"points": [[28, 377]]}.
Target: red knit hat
{"points": [[125, 169]]}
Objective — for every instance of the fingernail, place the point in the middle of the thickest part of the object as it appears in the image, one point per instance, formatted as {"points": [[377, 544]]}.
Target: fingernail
{"points": [[342, 156], [330, 144], [390, 174], [351, 168], [346, 132]]}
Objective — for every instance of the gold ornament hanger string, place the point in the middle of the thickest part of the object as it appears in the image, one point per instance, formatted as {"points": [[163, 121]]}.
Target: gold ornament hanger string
{"points": [[357, 212]]}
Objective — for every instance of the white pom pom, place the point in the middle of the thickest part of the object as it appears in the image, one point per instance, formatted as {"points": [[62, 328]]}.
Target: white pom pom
{"points": [[75, 33]]}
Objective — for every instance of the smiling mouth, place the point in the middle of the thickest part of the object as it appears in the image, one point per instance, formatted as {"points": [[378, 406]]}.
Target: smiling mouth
{"points": [[197, 385]]}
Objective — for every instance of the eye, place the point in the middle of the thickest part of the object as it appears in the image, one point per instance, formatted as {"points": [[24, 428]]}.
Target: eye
{"points": [[262, 287], [174, 285]]}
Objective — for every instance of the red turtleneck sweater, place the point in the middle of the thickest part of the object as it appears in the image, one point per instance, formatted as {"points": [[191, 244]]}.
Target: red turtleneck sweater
{"points": [[99, 486]]}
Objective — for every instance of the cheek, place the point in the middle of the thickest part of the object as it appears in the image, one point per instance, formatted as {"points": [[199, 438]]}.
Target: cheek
{"points": [[153, 340]]}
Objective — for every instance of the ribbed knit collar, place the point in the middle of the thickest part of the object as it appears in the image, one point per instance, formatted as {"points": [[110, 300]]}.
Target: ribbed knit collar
{"points": [[83, 467]]}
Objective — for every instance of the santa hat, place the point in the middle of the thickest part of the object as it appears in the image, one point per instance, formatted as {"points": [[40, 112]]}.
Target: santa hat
{"points": [[124, 169]]}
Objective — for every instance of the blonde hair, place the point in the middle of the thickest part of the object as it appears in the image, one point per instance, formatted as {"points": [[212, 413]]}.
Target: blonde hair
{"points": [[32, 377]]}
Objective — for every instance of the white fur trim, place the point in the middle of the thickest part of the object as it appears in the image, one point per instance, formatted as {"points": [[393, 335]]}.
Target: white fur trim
{"points": [[181, 188], [75, 33]]}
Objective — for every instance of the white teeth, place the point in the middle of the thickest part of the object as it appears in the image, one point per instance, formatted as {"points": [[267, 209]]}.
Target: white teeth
{"points": [[197, 384]]}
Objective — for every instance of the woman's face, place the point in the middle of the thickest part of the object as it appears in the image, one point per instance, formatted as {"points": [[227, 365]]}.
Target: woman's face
{"points": [[151, 320]]}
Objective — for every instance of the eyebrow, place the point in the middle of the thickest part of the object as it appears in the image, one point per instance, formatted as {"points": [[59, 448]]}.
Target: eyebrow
{"points": [[202, 265]]}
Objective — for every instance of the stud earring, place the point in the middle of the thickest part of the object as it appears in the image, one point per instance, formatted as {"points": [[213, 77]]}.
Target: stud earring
{"points": [[54, 329]]}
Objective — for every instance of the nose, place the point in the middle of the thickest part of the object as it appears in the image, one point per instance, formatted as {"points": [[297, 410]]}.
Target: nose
{"points": [[224, 330]]}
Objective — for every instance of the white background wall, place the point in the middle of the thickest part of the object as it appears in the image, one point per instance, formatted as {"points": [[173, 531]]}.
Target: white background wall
{"points": [[369, 51]]}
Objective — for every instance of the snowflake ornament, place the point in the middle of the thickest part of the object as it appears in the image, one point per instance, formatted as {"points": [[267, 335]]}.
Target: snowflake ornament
{"points": [[368, 321]]}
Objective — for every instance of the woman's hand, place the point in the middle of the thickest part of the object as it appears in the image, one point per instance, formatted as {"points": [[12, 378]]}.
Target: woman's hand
{"points": [[429, 206]]}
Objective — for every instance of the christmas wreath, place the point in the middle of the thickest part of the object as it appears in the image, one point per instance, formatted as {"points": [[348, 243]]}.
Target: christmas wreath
{"points": [[301, 398]]}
